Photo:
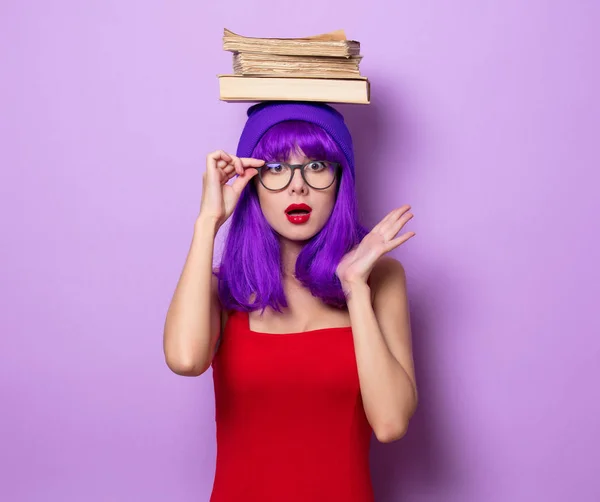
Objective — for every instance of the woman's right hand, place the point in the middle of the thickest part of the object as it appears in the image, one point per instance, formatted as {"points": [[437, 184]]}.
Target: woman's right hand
{"points": [[218, 198]]}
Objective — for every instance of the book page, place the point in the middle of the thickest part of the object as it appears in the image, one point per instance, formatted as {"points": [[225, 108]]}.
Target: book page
{"points": [[336, 35]]}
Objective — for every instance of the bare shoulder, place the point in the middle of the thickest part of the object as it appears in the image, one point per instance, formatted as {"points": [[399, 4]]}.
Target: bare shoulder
{"points": [[387, 277]]}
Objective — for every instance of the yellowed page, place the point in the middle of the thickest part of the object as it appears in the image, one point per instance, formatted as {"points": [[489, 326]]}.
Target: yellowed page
{"points": [[336, 35]]}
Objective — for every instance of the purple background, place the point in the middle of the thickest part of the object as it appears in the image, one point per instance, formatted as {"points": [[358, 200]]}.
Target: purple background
{"points": [[485, 117]]}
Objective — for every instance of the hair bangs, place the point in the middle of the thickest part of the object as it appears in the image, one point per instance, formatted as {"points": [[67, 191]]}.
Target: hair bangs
{"points": [[284, 139]]}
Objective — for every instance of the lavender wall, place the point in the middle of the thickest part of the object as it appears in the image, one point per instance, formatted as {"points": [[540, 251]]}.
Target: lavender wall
{"points": [[485, 118]]}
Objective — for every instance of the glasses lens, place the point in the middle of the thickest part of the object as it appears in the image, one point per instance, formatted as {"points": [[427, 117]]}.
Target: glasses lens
{"points": [[275, 175], [318, 174]]}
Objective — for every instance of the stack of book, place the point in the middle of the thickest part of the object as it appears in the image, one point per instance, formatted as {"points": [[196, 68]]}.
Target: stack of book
{"points": [[318, 68]]}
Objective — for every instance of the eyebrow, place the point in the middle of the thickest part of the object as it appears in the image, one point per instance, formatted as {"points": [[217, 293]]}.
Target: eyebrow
{"points": [[306, 159]]}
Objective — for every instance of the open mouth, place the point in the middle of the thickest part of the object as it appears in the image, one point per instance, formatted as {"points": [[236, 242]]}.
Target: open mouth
{"points": [[297, 212], [298, 209]]}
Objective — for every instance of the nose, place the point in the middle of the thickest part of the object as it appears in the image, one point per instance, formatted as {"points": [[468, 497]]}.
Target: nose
{"points": [[297, 184]]}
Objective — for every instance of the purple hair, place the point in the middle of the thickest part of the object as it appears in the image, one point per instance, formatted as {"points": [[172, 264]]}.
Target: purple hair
{"points": [[251, 261]]}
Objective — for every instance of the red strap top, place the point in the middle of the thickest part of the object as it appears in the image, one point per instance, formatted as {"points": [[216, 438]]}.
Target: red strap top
{"points": [[289, 417]]}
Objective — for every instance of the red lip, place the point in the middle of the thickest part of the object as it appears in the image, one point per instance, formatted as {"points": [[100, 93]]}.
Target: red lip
{"points": [[305, 207]]}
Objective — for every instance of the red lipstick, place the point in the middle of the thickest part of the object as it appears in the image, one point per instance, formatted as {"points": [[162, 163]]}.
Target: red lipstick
{"points": [[298, 213]]}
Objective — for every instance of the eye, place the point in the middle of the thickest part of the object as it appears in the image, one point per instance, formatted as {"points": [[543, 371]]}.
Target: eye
{"points": [[318, 165], [274, 167]]}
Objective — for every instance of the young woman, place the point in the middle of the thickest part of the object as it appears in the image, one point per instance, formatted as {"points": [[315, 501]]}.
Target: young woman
{"points": [[305, 322]]}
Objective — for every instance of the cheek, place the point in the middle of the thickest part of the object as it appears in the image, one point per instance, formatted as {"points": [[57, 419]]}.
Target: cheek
{"points": [[261, 192], [330, 200], [268, 203]]}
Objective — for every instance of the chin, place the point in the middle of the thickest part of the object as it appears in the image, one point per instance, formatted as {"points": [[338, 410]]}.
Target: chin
{"points": [[297, 232], [298, 235]]}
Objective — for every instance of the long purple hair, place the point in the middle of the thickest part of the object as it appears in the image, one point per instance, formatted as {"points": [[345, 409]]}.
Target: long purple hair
{"points": [[251, 260]]}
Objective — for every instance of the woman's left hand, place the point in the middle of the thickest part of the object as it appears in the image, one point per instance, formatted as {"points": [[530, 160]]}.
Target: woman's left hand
{"points": [[357, 264]]}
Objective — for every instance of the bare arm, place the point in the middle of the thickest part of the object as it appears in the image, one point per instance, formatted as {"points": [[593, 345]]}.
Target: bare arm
{"points": [[383, 344], [192, 326], [193, 321]]}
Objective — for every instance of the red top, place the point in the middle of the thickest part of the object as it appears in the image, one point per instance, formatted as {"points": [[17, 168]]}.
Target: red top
{"points": [[289, 416]]}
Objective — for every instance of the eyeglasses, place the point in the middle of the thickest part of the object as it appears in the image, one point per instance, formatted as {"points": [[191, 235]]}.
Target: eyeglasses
{"points": [[318, 174]]}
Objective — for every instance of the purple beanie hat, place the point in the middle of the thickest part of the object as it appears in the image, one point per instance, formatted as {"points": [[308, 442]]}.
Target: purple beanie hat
{"points": [[262, 116]]}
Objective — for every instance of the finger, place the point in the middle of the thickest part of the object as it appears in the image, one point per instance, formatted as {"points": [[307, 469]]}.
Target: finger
{"points": [[400, 211], [247, 162], [227, 167], [219, 154], [251, 162], [395, 226], [229, 173], [394, 243], [392, 215], [241, 181], [235, 160], [222, 164], [213, 159], [225, 171]]}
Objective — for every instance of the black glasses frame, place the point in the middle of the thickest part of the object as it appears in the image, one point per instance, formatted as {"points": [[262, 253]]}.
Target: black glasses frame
{"points": [[293, 167]]}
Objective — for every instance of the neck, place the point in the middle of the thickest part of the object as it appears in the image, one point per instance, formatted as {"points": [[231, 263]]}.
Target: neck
{"points": [[289, 254]]}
